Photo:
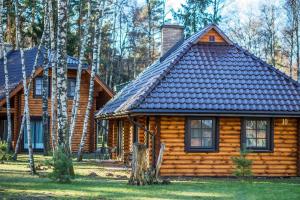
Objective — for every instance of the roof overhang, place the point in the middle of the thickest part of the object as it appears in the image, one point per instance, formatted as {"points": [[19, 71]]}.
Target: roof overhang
{"points": [[201, 113]]}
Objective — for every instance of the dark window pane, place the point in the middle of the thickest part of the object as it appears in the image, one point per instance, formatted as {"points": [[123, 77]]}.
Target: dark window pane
{"points": [[206, 142], [251, 133], [196, 133], [250, 124], [195, 123], [262, 124], [206, 123], [251, 142], [261, 134], [38, 86], [195, 142], [261, 143], [207, 133]]}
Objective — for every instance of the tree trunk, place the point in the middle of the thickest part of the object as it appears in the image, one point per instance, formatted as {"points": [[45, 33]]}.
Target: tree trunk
{"points": [[62, 112], [29, 86], [53, 77], [76, 99], [95, 65], [138, 165], [45, 92], [4, 55], [26, 103]]}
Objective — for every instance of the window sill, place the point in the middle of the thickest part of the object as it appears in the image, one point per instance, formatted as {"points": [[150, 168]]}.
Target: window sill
{"points": [[198, 150], [259, 151]]}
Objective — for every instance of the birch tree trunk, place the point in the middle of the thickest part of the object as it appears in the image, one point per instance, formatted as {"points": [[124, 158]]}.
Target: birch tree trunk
{"points": [[62, 115], [95, 64], [45, 92], [53, 77], [20, 136], [26, 105], [76, 99], [4, 55]]}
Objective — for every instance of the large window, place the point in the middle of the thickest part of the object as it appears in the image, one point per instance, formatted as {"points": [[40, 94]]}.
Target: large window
{"points": [[257, 134], [201, 134], [36, 134], [71, 87]]}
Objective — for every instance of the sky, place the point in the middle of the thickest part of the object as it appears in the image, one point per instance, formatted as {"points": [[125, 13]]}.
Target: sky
{"points": [[242, 7]]}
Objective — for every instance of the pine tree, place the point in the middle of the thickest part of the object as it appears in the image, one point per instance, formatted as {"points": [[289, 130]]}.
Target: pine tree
{"points": [[193, 15]]}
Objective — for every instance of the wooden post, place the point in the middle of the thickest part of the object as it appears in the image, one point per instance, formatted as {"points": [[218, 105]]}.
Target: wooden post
{"points": [[159, 160]]}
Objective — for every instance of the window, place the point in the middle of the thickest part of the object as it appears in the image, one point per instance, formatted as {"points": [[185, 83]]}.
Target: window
{"points": [[3, 129], [201, 134], [36, 134], [38, 86], [256, 135], [71, 87], [212, 38]]}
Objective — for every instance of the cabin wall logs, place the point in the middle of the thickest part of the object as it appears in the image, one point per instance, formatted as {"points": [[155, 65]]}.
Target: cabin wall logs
{"points": [[176, 162]]}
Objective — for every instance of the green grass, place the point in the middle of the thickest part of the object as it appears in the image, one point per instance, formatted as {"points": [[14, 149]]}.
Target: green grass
{"points": [[16, 183]]}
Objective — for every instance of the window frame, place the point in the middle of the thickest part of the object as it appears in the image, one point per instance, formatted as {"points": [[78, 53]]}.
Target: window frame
{"points": [[68, 88], [269, 137], [34, 87], [212, 38], [215, 135]]}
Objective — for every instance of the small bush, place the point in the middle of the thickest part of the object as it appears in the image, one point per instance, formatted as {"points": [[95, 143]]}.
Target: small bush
{"points": [[62, 164], [3, 150], [243, 166]]}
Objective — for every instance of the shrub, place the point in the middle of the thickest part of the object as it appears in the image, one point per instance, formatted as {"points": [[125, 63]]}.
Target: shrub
{"points": [[3, 150], [62, 164], [243, 166]]}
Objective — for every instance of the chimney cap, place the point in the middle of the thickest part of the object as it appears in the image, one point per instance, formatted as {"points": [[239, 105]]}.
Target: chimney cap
{"points": [[176, 26]]}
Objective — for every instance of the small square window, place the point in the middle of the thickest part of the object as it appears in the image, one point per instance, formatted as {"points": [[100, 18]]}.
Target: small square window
{"points": [[212, 38], [201, 135], [256, 135]]}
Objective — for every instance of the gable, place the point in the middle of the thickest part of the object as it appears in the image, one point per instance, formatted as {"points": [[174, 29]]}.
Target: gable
{"points": [[212, 33]]}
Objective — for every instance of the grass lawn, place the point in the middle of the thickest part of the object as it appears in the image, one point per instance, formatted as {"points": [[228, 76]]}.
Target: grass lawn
{"points": [[16, 183]]}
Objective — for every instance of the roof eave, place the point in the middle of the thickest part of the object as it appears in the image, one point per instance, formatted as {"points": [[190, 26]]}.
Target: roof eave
{"points": [[216, 113]]}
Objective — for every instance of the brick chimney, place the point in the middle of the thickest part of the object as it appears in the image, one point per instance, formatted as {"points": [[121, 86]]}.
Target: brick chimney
{"points": [[170, 35]]}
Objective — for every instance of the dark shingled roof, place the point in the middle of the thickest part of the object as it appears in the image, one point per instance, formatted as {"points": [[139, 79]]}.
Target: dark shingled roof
{"points": [[15, 67], [208, 78]]}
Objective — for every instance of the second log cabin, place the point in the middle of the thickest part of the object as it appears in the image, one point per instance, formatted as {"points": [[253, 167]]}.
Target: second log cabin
{"points": [[102, 94], [207, 99]]}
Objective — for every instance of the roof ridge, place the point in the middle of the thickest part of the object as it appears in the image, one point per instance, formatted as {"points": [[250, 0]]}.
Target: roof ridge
{"points": [[264, 63]]}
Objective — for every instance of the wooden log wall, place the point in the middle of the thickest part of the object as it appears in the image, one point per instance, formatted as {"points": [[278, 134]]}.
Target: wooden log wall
{"points": [[35, 106], [212, 32], [177, 162]]}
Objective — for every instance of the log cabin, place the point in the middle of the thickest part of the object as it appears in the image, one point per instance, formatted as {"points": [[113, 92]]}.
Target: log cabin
{"points": [[101, 95], [207, 99]]}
